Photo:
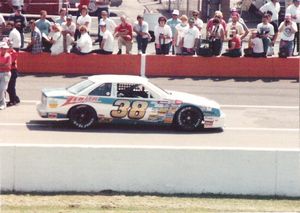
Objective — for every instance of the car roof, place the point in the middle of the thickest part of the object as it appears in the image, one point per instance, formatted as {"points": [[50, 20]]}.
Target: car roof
{"points": [[119, 78]]}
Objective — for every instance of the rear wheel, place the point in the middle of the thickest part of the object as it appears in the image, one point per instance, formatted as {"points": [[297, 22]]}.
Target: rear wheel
{"points": [[188, 118], [82, 117]]}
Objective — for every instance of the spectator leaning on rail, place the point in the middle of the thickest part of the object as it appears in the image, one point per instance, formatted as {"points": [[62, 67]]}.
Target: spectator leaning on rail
{"points": [[123, 33], [190, 38], [84, 45], [180, 29], [11, 89], [163, 37], [141, 29], [35, 45], [272, 6], [294, 10], [20, 22], [14, 35], [255, 46], [172, 22], [68, 31], [5, 67], [234, 49], [107, 43], [266, 31], [85, 20], [287, 28]]}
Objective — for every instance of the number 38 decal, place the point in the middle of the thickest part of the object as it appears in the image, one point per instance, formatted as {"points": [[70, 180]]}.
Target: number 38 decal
{"points": [[134, 110]]}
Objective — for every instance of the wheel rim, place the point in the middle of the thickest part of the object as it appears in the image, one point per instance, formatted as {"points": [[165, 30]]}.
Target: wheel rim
{"points": [[83, 118], [189, 118]]}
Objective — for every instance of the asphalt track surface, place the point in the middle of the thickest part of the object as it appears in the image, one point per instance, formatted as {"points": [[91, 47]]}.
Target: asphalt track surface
{"points": [[259, 114]]}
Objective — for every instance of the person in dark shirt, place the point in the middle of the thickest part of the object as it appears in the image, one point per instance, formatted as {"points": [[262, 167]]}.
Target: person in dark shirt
{"points": [[20, 22]]}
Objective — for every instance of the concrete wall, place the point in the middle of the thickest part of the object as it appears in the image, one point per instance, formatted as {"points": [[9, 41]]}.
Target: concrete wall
{"points": [[150, 169]]}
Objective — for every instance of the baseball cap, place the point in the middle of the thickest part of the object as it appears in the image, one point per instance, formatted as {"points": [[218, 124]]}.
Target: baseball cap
{"points": [[175, 12], [69, 17]]}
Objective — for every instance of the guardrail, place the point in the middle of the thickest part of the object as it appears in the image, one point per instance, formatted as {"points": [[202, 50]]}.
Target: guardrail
{"points": [[164, 66], [59, 168]]}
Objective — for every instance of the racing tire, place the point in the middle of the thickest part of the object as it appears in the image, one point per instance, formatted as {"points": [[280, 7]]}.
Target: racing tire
{"points": [[188, 118], [82, 117]]}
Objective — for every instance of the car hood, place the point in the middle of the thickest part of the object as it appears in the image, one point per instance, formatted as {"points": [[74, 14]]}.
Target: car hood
{"points": [[57, 92], [193, 99]]}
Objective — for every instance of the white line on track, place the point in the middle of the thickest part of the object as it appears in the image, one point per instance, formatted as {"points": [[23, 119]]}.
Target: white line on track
{"points": [[225, 128], [223, 106], [260, 106]]}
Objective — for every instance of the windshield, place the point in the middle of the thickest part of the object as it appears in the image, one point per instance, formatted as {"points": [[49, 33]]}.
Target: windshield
{"points": [[80, 86]]}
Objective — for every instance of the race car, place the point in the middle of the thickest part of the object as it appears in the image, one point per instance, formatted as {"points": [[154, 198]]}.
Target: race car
{"points": [[128, 99]]}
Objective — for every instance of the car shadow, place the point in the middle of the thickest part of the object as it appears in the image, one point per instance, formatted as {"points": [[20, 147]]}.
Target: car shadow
{"points": [[65, 126]]}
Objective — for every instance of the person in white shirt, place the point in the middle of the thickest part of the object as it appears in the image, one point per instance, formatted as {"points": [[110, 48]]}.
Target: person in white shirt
{"points": [[14, 35], [109, 23], [180, 28], [256, 45], [84, 45], [272, 6], [190, 38], [287, 28], [198, 22], [56, 40], [107, 43], [83, 20], [294, 10], [163, 37], [68, 31], [266, 31], [235, 24]]}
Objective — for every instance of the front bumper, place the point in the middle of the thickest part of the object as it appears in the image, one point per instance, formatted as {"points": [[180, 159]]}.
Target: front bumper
{"points": [[41, 108], [214, 122]]}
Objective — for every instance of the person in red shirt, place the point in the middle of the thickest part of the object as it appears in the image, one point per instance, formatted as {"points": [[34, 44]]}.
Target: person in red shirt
{"points": [[5, 67], [234, 49], [124, 34], [11, 89]]}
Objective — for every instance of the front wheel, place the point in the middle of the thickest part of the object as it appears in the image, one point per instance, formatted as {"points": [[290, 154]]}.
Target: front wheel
{"points": [[82, 117], [188, 118]]}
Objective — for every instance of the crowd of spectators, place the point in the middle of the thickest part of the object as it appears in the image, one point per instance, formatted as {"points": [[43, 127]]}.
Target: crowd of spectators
{"points": [[180, 35]]}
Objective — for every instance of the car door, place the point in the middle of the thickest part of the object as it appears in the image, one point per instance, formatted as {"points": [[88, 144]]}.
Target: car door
{"points": [[103, 92]]}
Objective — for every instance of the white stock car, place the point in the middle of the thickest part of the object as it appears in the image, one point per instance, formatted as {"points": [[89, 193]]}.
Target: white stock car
{"points": [[128, 99]]}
